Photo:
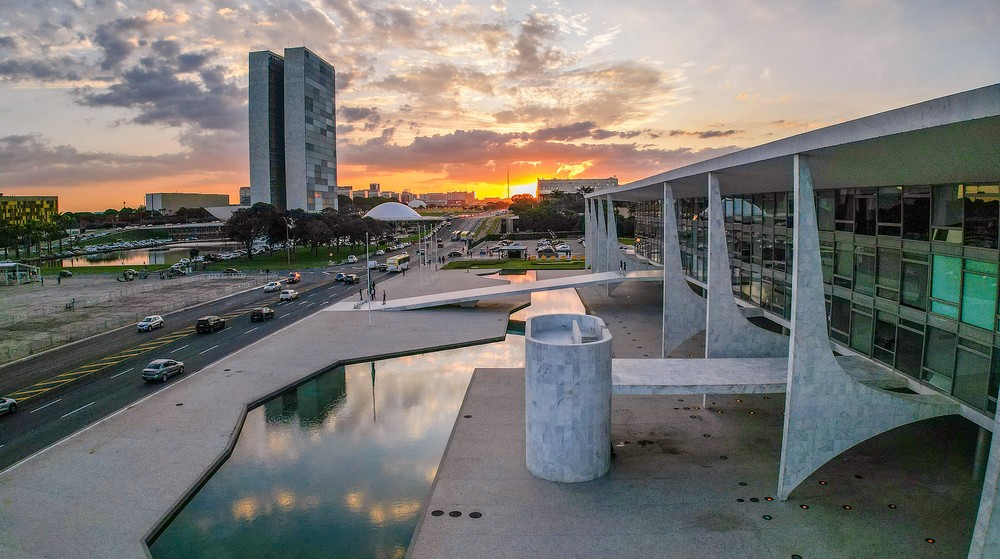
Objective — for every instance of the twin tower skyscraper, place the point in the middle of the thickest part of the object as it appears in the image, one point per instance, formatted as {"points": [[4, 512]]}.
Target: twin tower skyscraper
{"points": [[293, 130]]}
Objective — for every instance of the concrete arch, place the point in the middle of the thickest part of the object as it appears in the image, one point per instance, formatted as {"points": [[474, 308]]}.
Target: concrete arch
{"points": [[727, 332], [827, 411], [683, 309]]}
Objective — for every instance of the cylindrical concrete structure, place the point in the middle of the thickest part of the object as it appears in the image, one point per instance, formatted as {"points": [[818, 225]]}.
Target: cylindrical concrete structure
{"points": [[567, 397]]}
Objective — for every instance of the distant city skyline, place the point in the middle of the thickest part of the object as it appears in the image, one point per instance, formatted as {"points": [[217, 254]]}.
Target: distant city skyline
{"points": [[103, 102]]}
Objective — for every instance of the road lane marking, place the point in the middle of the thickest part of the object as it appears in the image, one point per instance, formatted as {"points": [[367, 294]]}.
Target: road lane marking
{"points": [[283, 316], [46, 405], [310, 295], [180, 348], [250, 330], [209, 349], [325, 302], [123, 372], [78, 409]]}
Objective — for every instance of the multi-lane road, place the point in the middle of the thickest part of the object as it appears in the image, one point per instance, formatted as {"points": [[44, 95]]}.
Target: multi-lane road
{"points": [[71, 387]]}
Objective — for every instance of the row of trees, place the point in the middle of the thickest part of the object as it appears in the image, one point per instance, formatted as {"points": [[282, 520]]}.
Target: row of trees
{"points": [[17, 235], [326, 228]]}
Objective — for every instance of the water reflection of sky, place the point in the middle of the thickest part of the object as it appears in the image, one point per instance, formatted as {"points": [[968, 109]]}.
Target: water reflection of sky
{"points": [[322, 470]]}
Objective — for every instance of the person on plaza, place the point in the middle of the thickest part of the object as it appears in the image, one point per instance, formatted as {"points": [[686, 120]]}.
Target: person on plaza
{"points": [[383, 296]]}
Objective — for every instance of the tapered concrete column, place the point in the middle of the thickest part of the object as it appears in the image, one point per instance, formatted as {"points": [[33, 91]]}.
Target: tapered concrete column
{"points": [[986, 537], [683, 309], [567, 397], [613, 253], [587, 229], [727, 332], [827, 411], [600, 232]]}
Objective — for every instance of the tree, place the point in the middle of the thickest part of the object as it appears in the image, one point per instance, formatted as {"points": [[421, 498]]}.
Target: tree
{"points": [[245, 226]]}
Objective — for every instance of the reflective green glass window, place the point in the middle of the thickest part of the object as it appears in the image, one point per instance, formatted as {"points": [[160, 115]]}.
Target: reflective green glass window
{"points": [[939, 358], [982, 209], [946, 215], [826, 260], [885, 337], [909, 351], [914, 285], [840, 319], [888, 273], [861, 332], [946, 282], [890, 214], [864, 274], [979, 299], [916, 212], [972, 378]]}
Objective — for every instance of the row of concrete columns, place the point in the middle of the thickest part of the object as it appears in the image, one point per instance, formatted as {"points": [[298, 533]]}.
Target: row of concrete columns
{"points": [[601, 252], [826, 410]]}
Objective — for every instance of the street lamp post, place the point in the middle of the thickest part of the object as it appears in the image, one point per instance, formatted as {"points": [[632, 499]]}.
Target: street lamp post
{"points": [[289, 223], [370, 294]]}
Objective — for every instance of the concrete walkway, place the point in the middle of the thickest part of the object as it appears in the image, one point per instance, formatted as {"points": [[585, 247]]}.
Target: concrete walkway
{"points": [[99, 493], [464, 296]]}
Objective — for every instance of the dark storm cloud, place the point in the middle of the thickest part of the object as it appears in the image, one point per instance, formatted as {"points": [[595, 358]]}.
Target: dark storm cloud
{"points": [[8, 42], [565, 133], [42, 69], [154, 89], [114, 39], [369, 115]]}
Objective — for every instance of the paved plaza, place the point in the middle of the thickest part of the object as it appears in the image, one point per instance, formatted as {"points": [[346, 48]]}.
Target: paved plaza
{"points": [[684, 482]]}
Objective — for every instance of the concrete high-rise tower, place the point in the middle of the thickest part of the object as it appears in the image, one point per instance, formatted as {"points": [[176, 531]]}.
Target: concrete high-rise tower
{"points": [[293, 140]]}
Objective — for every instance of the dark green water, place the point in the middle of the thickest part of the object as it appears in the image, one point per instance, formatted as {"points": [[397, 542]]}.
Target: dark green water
{"points": [[334, 468]]}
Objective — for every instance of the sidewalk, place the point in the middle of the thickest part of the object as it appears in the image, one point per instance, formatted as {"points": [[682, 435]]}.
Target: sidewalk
{"points": [[101, 492]]}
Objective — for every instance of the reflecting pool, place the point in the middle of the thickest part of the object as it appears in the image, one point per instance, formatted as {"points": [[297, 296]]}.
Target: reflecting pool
{"points": [[338, 467]]}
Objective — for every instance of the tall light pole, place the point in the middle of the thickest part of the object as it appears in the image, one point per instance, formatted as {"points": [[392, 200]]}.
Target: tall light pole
{"points": [[289, 223], [370, 294]]}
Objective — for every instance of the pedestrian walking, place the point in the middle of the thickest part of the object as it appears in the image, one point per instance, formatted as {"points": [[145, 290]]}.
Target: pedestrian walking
{"points": [[361, 293], [58, 280], [404, 271], [383, 296], [43, 279], [624, 267]]}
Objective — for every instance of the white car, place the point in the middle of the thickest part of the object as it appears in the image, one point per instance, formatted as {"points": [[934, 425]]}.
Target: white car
{"points": [[150, 323], [272, 286], [288, 295], [379, 252], [352, 259], [8, 405], [372, 264]]}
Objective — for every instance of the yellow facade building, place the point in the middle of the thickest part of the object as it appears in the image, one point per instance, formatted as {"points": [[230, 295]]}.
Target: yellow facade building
{"points": [[19, 210]]}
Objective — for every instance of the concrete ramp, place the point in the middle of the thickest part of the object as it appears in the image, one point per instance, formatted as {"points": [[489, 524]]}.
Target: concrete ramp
{"points": [[469, 297]]}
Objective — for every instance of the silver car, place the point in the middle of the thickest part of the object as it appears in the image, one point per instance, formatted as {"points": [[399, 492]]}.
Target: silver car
{"points": [[149, 323], [8, 405], [160, 369]]}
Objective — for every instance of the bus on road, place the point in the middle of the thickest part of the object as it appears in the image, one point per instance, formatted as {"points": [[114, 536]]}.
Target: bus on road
{"points": [[398, 263]]}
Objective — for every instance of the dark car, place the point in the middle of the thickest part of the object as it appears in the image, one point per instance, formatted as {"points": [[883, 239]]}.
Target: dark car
{"points": [[454, 254], [210, 324], [340, 276], [261, 314], [352, 278], [294, 277], [65, 274]]}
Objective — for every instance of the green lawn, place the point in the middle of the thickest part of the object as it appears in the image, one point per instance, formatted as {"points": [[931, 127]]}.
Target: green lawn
{"points": [[302, 257]]}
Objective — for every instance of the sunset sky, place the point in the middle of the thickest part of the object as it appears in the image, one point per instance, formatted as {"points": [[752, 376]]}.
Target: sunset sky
{"points": [[104, 101]]}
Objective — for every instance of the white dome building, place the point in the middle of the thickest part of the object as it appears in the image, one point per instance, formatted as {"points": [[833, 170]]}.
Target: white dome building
{"points": [[394, 211]]}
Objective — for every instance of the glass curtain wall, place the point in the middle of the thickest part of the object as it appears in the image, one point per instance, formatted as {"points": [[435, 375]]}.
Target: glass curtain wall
{"points": [[649, 230], [911, 274]]}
